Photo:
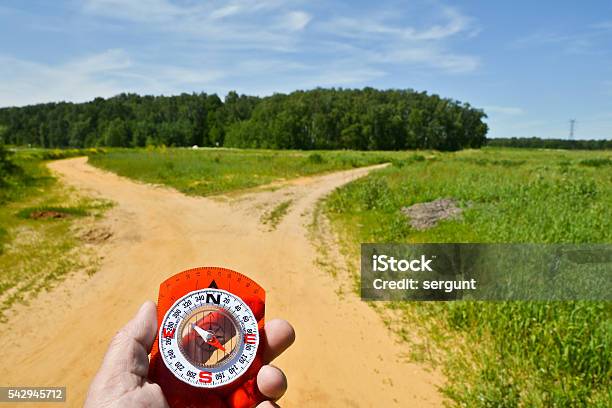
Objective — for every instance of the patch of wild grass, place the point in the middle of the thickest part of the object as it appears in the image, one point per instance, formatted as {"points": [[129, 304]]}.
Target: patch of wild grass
{"points": [[36, 254], [214, 171], [273, 218], [513, 354]]}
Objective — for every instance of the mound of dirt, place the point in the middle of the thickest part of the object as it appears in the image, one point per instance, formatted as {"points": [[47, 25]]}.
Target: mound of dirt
{"points": [[96, 235], [426, 215], [37, 215]]}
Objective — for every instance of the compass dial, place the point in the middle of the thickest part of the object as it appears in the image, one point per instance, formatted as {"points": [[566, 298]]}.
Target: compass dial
{"points": [[208, 338]]}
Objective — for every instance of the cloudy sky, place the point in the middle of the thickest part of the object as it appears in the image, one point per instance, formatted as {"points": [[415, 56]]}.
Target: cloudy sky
{"points": [[532, 66]]}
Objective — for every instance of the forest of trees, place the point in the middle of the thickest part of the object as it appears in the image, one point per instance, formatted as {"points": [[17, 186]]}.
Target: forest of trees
{"points": [[364, 119], [536, 142], [359, 119]]}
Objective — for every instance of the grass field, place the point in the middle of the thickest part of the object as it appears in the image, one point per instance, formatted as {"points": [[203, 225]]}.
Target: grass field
{"points": [[504, 354], [213, 171], [36, 249]]}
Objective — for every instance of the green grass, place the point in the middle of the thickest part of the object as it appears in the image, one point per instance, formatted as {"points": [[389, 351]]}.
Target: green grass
{"points": [[214, 171], [273, 218], [510, 354], [30, 212], [36, 254]]}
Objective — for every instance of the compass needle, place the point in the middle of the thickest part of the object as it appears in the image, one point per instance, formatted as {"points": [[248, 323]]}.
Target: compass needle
{"points": [[204, 334]]}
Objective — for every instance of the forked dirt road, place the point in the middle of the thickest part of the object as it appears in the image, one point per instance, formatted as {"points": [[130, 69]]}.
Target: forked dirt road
{"points": [[343, 355]]}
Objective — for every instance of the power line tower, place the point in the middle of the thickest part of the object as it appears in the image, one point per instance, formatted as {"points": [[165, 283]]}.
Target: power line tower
{"points": [[572, 124]]}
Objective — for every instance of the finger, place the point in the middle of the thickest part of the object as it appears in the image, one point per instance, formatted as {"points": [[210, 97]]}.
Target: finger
{"points": [[129, 349], [126, 362], [271, 382], [143, 327], [268, 404], [278, 335], [150, 395]]}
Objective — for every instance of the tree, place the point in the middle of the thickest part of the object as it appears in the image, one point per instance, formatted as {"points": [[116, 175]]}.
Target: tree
{"points": [[7, 167], [117, 134]]}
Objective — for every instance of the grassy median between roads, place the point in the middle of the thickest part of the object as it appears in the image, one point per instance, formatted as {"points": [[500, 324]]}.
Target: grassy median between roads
{"points": [[498, 354], [39, 239], [214, 171]]}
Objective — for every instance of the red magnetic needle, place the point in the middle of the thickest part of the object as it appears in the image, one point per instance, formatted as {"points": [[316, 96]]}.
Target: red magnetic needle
{"points": [[208, 348]]}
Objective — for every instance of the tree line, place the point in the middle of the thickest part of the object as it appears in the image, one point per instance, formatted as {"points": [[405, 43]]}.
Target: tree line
{"points": [[6, 167], [360, 119], [536, 142]]}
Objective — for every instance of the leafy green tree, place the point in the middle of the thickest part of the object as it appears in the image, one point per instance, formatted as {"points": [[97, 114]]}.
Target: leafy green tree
{"points": [[116, 134], [7, 167], [79, 131]]}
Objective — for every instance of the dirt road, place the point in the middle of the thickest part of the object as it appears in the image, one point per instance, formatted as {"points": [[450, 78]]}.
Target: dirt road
{"points": [[343, 355]]}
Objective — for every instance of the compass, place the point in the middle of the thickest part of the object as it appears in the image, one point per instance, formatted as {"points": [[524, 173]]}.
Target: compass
{"points": [[207, 350]]}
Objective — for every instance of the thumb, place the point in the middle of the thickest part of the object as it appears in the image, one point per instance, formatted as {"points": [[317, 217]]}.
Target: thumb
{"points": [[129, 349], [143, 327], [126, 362]]}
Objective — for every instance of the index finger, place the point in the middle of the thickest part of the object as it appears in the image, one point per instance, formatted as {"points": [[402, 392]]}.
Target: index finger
{"points": [[278, 336]]}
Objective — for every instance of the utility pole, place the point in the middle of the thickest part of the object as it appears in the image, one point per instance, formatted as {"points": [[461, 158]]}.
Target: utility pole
{"points": [[572, 123]]}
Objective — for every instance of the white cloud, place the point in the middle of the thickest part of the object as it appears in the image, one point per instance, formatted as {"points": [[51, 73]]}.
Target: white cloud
{"points": [[456, 23], [104, 74], [150, 11], [226, 11], [504, 110], [107, 61], [75, 80], [432, 57], [239, 24], [341, 75], [296, 20], [405, 44], [368, 26], [247, 25], [590, 39]]}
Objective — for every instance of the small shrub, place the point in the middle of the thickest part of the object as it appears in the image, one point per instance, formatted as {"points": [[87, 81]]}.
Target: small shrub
{"points": [[376, 194], [315, 158], [508, 163], [596, 162], [405, 162], [7, 167], [3, 236]]}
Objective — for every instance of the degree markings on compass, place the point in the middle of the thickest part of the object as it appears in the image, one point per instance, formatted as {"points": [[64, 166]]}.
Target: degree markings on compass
{"points": [[246, 354]]}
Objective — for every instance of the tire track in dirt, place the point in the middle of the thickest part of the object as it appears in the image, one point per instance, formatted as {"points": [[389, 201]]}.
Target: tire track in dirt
{"points": [[343, 355]]}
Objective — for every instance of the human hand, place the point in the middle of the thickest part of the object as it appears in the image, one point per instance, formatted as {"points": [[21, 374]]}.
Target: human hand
{"points": [[122, 378]]}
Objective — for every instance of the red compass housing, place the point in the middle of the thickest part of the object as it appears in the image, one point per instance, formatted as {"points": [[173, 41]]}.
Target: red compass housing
{"points": [[208, 349]]}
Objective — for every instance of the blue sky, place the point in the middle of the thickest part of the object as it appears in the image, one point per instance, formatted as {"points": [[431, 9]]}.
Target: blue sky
{"points": [[532, 66]]}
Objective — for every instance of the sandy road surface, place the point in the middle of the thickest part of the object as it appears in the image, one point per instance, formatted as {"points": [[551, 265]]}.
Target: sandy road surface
{"points": [[343, 355]]}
